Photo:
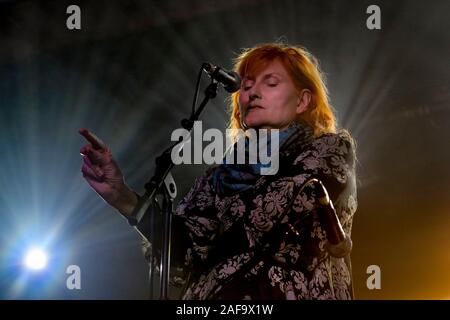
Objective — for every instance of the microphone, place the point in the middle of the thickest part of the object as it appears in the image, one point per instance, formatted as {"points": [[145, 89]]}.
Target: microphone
{"points": [[230, 80], [339, 244]]}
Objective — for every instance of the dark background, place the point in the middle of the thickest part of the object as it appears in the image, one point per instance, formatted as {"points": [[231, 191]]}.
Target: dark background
{"points": [[129, 75]]}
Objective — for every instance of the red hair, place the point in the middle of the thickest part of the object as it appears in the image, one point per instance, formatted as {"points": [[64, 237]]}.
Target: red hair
{"points": [[305, 73]]}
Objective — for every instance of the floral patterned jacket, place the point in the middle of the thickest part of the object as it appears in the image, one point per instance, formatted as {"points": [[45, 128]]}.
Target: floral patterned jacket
{"points": [[235, 247]]}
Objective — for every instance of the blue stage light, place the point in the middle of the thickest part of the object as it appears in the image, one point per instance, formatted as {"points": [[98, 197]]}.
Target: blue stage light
{"points": [[36, 259]]}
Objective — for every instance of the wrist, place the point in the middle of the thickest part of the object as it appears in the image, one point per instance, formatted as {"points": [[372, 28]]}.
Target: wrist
{"points": [[127, 201]]}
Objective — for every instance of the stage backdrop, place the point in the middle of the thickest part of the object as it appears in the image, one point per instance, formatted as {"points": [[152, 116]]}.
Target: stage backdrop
{"points": [[127, 72]]}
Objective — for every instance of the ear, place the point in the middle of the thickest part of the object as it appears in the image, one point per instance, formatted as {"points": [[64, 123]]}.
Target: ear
{"points": [[303, 100]]}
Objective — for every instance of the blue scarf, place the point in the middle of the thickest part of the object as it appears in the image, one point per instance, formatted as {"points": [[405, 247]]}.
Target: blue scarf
{"points": [[232, 178]]}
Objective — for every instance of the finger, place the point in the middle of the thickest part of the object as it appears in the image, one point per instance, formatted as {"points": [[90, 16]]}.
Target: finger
{"points": [[87, 160], [84, 149], [97, 157], [91, 173], [93, 139], [96, 169]]}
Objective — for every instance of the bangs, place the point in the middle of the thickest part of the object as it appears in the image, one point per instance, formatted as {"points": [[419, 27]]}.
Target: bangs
{"points": [[256, 61]]}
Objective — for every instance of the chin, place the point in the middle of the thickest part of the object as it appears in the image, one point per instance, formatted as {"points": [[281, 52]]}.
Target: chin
{"points": [[253, 123]]}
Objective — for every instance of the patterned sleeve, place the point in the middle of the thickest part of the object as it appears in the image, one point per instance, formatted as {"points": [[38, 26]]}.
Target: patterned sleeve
{"points": [[331, 159], [193, 226], [197, 212], [308, 268]]}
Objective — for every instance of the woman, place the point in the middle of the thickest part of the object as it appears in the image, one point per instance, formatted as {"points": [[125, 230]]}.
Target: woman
{"points": [[242, 235]]}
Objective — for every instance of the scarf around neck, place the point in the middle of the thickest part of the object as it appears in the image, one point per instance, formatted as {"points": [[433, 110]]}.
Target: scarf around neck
{"points": [[231, 178]]}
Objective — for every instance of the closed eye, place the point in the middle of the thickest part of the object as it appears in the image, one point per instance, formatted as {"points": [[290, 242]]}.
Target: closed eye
{"points": [[247, 84], [272, 81]]}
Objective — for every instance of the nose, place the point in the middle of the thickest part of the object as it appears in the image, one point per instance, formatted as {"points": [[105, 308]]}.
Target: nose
{"points": [[254, 96], [254, 93]]}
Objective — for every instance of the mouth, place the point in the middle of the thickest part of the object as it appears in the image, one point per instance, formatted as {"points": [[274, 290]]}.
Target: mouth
{"points": [[253, 107]]}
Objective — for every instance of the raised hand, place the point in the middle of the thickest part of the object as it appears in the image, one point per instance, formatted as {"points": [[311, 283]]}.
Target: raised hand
{"points": [[103, 174]]}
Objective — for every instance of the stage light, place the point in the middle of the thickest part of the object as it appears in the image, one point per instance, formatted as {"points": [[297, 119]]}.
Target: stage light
{"points": [[35, 259]]}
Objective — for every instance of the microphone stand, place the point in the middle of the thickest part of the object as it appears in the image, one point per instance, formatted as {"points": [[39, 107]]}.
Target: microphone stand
{"points": [[162, 183]]}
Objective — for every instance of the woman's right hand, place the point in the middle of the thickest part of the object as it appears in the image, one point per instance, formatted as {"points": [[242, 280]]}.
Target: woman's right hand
{"points": [[104, 175]]}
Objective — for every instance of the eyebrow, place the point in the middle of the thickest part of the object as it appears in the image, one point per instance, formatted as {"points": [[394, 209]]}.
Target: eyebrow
{"points": [[266, 76]]}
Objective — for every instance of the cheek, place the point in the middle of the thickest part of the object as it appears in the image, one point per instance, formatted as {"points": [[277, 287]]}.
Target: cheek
{"points": [[243, 98], [279, 100], [284, 104], [242, 101]]}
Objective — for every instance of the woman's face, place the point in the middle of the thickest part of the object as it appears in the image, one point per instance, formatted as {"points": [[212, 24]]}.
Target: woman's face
{"points": [[270, 100]]}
